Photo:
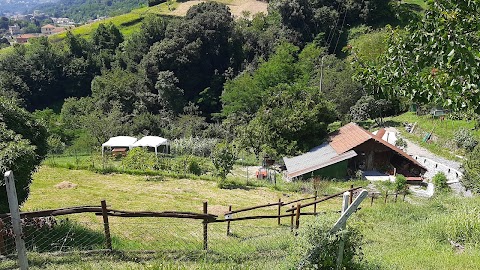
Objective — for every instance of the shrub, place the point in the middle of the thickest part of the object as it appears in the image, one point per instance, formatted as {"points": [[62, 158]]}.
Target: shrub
{"points": [[400, 183], [471, 165], [193, 146], [464, 139], [318, 247], [401, 143], [23, 145], [440, 181], [223, 158], [140, 159]]}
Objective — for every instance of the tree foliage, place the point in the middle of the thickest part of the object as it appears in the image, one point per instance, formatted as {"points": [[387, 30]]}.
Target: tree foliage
{"points": [[23, 145], [471, 165], [223, 158], [433, 61]]}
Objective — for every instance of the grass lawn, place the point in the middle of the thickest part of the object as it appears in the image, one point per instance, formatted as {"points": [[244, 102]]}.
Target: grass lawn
{"points": [[405, 235]]}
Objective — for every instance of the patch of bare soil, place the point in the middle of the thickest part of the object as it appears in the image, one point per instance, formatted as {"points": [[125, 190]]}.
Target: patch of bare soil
{"points": [[66, 185], [237, 7]]}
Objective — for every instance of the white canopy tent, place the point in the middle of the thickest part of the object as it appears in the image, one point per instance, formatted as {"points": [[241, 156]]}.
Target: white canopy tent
{"points": [[119, 141], [152, 141]]}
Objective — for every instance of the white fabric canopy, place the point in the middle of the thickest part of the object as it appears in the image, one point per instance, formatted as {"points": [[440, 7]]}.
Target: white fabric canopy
{"points": [[151, 141], [119, 141]]}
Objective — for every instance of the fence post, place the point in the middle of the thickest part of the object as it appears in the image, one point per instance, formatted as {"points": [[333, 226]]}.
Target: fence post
{"points": [[106, 225], [297, 216], [15, 216], [396, 195], [341, 246], [205, 227], [228, 222], [351, 195], [291, 220], [371, 202], [2, 242], [279, 209], [315, 205], [386, 195]]}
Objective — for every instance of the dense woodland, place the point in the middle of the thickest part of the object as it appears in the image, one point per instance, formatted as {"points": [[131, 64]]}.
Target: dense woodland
{"points": [[271, 83]]}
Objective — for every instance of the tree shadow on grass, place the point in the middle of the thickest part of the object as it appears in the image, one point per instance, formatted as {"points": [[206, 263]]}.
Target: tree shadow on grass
{"points": [[51, 235]]}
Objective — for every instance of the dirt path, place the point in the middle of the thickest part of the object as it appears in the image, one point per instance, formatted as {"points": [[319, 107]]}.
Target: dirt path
{"points": [[237, 7]]}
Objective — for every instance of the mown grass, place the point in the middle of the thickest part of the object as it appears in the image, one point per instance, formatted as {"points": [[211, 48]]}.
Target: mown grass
{"points": [[405, 235], [258, 244]]}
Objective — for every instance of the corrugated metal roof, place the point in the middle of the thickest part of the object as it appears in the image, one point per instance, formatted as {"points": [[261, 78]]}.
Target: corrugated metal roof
{"points": [[317, 158], [348, 137]]}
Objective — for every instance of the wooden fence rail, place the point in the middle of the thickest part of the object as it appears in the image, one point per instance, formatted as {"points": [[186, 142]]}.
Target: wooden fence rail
{"points": [[324, 199], [103, 210]]}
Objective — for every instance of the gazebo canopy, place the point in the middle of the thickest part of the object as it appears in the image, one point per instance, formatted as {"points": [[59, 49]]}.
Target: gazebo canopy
{"points": [[119, 141], [151, 141]]}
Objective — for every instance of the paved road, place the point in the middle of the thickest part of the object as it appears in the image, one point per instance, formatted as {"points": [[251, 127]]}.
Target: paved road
{"points": [[435, 164]]}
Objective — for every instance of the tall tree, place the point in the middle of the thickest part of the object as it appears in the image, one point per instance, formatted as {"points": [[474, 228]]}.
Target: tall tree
{"points": [[435, 60]]}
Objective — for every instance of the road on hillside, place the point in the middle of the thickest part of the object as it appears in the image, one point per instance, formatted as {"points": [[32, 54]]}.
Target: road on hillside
{"points": [[414, 149]]}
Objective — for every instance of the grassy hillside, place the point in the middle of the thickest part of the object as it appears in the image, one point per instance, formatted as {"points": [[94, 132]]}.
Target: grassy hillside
{"points": [[442, 132], [417, 234]]}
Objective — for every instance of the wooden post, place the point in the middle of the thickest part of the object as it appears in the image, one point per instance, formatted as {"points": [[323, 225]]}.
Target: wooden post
{"points": [[15, 216], [396, 195], [228, 222], [2, 242], [371, 202], [297, 216], [205, 227], [106, 226], [386, 195], [351, 195], [315, 205], [279, 210], [341, 246], [291, 220]]}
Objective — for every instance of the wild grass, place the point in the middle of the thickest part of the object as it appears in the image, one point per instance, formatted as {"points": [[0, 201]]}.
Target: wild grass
{"points": [[442, 132]]}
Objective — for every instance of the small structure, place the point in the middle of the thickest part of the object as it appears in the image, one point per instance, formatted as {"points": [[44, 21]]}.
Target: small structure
{"points": [[48, 29], [154, 142], [350, 149], [119, 144], [22, 39], [14, 29]]}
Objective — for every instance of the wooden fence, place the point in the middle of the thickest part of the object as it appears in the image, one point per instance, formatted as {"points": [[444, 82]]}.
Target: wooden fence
{"points": [[294, 212]]}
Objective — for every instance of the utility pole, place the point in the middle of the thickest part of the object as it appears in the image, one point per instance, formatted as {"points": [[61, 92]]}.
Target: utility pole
{"points": [[321, 74]]}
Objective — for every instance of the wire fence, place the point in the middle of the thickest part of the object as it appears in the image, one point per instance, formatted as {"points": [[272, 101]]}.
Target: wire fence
{"points": [[165, 235]]}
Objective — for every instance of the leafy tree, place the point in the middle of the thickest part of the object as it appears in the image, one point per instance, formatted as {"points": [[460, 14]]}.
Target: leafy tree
{"points": [[23, 145], [140, 159], [443, 70], [223, 158], [292, 119], [471, 165]]}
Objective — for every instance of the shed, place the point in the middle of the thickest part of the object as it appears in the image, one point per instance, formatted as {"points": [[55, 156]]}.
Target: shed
{"points": [[321, 160], [119, 141], [152, 141]]}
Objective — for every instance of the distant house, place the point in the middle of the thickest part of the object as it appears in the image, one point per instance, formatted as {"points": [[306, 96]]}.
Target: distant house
{"points": [[48, 29], [21, 39], [350, 149], [14, 29]]}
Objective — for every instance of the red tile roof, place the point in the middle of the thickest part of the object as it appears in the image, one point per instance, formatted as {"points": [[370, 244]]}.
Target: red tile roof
{"points": [[352, 135]]}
